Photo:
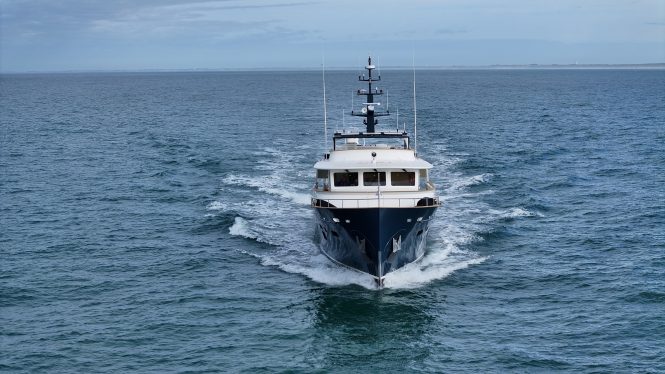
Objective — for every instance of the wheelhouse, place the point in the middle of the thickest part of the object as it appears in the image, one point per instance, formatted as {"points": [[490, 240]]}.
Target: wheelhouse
{"points": [[364, 180]]}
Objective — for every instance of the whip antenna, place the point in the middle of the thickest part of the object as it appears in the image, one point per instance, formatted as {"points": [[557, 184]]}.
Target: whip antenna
{"points": [[415, 116], [343, 121], [397, 119], [325, 108]]}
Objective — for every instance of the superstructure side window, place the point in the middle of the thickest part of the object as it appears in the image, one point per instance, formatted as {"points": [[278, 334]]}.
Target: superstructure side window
{"points": [[403, 178], [424, 178], [372, 178], [347, 179]]}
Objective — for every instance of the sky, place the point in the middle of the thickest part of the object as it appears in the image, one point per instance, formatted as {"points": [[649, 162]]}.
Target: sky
{"points": [[81, 35]]}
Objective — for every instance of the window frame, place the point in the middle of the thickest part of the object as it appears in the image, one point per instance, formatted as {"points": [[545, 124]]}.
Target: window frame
{"points": [[350, 179], [380, 179], [411, 178]]}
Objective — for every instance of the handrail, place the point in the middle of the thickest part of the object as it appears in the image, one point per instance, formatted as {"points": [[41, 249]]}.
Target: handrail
{"points": [[429, 186], [401, 202]]}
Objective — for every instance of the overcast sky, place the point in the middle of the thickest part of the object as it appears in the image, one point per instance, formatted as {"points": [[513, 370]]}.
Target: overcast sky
{"points": [[55, 35]]}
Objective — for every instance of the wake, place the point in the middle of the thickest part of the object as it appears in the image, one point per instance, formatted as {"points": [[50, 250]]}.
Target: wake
{"points": [[274, 209]]}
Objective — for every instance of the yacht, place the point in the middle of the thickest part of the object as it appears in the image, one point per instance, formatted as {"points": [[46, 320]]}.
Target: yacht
{"points": [[373, 199]]}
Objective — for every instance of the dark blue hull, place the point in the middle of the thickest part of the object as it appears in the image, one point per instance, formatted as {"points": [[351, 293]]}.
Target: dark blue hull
{"points": [[375, 241]]}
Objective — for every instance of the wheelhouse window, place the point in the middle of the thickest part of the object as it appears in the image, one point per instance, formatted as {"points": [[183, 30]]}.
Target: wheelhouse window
{"points": [[322, 180], [372, 178], [346, 179], [403, 178]]}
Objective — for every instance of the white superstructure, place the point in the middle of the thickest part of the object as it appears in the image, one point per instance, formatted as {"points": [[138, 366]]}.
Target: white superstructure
{"points": [[376, 175]]}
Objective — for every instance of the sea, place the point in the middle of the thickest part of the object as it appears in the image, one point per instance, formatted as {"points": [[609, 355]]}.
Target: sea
{"points": [[160, 222]]}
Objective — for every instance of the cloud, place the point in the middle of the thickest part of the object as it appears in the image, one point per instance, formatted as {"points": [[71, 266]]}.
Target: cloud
{"points": [[214, 21], [226, 19]]}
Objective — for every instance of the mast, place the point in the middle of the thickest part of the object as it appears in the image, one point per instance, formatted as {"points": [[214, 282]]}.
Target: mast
{"points": [[369, 110]]}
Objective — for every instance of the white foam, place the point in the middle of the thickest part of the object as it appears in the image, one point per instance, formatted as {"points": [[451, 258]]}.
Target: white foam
{"points": [[296, 197], [518, 212], [277, 232], [416, 275], [272, 186], [320, 269], [217, 205], [241, 227], [515, 213], [464, 182]]}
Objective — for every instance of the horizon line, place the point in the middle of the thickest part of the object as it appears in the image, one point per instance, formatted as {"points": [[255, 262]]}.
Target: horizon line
{"points": [[591, 66]]}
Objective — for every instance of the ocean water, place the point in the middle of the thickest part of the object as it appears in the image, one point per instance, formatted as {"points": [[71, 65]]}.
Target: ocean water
{"points": [[160, 222]]}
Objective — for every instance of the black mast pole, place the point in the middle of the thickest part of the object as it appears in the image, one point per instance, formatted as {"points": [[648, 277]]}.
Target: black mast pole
{"points": [[369, 121], [369, 112]]}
